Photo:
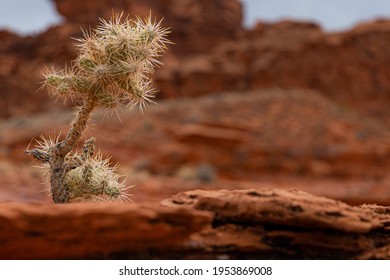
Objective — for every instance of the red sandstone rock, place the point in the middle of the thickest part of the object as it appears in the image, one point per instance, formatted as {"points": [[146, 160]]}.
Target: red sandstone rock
{"points": [[212, 136], [24, 61], [280, 207], [350, 67], [237, 224], [382, 253], [196, 26], [6, 35], [285, 224], [83, 231]]}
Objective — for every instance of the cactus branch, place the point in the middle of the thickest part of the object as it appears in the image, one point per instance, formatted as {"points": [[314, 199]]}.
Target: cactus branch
{"points": [[38, 154], [78, 126]]}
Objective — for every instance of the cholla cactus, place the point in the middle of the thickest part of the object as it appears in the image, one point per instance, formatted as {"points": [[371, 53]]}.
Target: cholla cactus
{"points": [[113, 69]]}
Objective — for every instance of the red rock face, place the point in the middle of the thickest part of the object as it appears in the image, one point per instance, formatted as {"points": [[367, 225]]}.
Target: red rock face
{"points": [[196, 26], [212, 53], [351, 67]]}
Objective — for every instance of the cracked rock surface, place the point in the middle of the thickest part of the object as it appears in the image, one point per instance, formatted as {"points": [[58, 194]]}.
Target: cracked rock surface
{"points": [[198, 224]]}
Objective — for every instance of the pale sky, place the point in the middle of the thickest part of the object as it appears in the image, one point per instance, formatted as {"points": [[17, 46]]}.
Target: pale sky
{"points": [[332, 15], [30, 16], [27, 16]]}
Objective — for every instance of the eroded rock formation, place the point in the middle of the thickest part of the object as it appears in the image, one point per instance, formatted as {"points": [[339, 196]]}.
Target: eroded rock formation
{"points": [[245, 224]]}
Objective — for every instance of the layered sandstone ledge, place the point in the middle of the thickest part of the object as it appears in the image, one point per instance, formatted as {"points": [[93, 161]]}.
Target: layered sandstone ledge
{"points": [[235, 224]]}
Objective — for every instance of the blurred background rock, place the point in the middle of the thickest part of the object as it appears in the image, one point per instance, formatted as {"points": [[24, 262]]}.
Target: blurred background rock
{"points": [[282, 102]]}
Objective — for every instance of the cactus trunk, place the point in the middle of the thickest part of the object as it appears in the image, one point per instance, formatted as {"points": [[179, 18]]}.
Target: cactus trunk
{"points": [[58, 168], [58, 188]]}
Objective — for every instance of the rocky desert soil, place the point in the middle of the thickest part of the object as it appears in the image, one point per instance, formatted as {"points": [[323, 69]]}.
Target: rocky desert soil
{"points": [[272, 142]]}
